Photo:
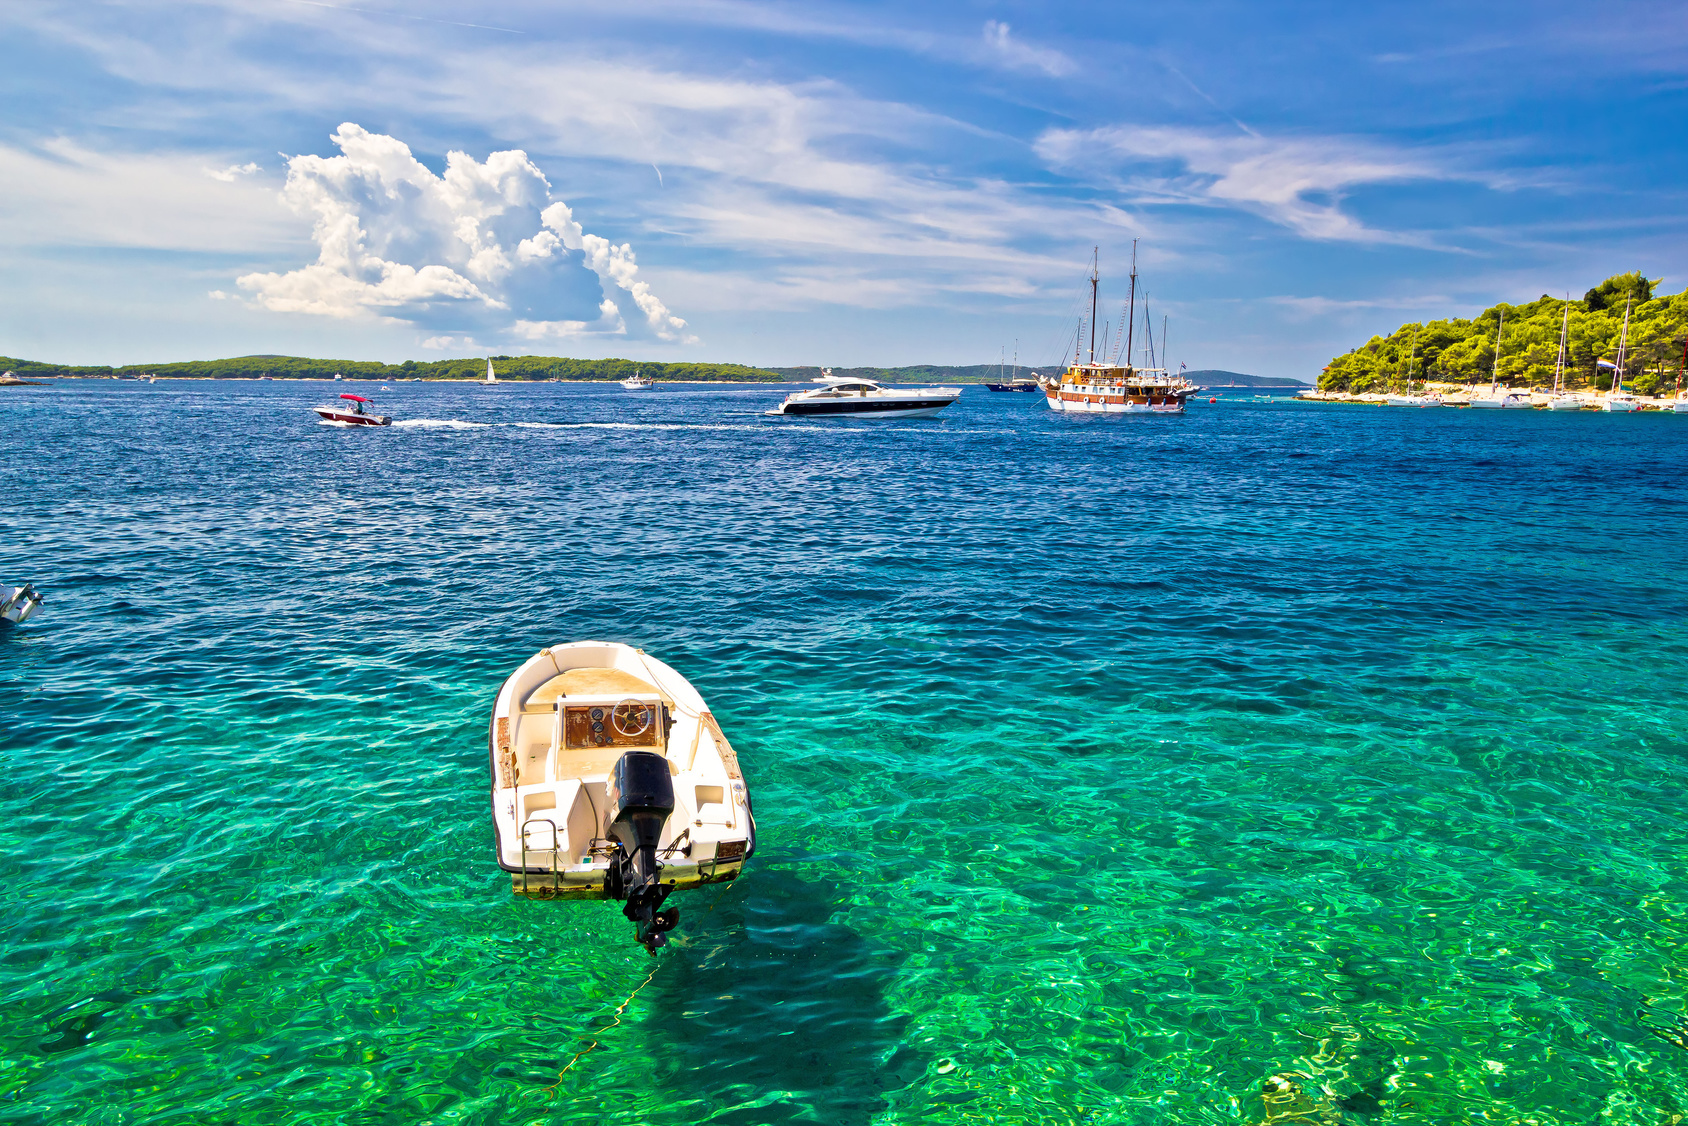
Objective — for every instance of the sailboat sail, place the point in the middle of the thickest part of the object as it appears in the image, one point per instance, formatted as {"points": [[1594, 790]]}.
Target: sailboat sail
{"points": [[490, 377]]}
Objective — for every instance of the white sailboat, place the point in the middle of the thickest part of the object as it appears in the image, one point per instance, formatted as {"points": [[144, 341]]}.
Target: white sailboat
{"points": [[1407, 398], [491, 379], [1617, 400], [1494, 400], [1562, 400]]}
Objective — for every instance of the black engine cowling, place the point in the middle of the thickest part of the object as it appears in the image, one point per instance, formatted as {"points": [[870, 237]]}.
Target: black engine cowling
{"points": [[641, 797]]}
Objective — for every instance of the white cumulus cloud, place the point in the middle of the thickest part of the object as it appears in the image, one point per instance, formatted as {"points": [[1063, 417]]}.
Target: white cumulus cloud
{"points": [[229, 174], [483, 247]]}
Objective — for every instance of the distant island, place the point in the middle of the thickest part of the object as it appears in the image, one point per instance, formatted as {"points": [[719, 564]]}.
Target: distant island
{"points": [[539, 368], [1214, 377], [1459, 351], [514, 368]]}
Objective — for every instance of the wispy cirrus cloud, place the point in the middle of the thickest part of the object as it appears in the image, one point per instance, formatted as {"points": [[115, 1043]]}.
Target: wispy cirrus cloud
{"points": [[1020, 55], [1298, 183]]}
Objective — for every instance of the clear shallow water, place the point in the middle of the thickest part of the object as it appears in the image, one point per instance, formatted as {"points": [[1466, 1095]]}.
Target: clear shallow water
{"points": [[1104, 767]]}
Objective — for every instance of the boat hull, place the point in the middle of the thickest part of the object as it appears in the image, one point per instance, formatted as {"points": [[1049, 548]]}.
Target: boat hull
{"points": [[351, 418], [905, 408], [1077, 403]]}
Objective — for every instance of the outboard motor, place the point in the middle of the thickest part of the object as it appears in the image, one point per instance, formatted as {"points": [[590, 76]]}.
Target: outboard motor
{"points": [[641, 796]]}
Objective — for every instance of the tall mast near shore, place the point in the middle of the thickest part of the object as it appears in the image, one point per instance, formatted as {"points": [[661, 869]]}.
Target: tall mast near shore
{"points": [[1494, 373], [1131, 321], [1095, 261]]}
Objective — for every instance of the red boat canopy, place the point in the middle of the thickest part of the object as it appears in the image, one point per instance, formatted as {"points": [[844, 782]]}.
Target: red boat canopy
{"points": [[357, 398]]}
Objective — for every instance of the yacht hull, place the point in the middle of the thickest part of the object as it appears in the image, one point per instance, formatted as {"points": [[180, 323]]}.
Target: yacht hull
{"points": [[1112, 404], [351, 418]]}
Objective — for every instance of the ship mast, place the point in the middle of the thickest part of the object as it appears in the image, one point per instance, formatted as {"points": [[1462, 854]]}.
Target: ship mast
{"points": [[1131, 321], [1095, 258]]}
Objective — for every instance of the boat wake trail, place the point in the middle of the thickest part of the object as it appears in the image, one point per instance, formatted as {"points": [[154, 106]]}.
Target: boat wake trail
{"points": [[442, 424]]}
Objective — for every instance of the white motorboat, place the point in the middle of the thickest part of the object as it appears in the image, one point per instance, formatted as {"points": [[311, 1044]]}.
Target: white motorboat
{"points": [[18, 604], [843, 397], [612, 780], [354, 415], [1620, 403], [1566, 403], [637, 382], [1414, 400]]}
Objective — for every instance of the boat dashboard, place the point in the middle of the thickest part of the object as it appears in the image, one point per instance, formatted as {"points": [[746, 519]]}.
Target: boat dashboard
{"points": [[629, 723]]}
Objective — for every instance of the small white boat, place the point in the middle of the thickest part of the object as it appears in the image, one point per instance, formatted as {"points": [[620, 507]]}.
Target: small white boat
{"points": [[842, 397], [612, 780], [1414, 400], [353, 415], [637, 382], [1620, 403], [491, 379], [1566, 403], [1510, 401], [18, 604]]}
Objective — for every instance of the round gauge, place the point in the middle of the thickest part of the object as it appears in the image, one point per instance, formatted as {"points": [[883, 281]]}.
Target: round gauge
{"points": [[633, 718], [597, 729], [599, 739], [597, 713]]}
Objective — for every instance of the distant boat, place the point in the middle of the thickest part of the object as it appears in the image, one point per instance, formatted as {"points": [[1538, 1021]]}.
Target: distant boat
{"points": [[1617, 400], [1509, 401], [637, 382], [1102, 387], [1014, 383], [353, 415], [491, 379], [337, 375], [843, 397]]}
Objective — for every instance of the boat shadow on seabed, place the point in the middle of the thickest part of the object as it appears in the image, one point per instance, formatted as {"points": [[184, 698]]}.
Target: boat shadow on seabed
{"points": [[760, 997]]}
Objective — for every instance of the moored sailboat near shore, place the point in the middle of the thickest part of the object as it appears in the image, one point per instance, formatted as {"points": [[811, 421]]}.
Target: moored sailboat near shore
{"points": [[1113, 388]]}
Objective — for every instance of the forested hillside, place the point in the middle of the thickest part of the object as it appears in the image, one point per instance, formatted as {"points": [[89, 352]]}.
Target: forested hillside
{"points": [[507, 367], [1463, 351]]}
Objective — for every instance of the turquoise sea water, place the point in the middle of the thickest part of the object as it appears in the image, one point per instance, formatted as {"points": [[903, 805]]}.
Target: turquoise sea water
{"points": [[1104, 768]]}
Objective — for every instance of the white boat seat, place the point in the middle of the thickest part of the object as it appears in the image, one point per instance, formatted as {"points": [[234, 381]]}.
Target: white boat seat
{"points": [[586, 682], [565, 805]]}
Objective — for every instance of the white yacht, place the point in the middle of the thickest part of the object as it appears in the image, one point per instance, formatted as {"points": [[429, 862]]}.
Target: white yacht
{"points": [[491, 379], [1414, 400], [1567, 402], [843, 397], [1620, 402], [612, 780], [637, 382], [1561, 399]]}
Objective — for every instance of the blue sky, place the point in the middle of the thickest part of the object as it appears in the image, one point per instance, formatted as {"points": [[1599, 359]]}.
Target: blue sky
{"points": [[813, 183]]}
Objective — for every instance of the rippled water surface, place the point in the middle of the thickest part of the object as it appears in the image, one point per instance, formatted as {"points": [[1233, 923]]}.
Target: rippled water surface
{"points": [[1104, 767]]}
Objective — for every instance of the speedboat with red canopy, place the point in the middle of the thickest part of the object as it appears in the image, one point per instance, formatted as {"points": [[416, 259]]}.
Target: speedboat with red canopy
{"points": [[354, 414]]}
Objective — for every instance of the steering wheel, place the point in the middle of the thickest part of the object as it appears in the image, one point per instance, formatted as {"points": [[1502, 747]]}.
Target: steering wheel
{"points": [[632, 718]]}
